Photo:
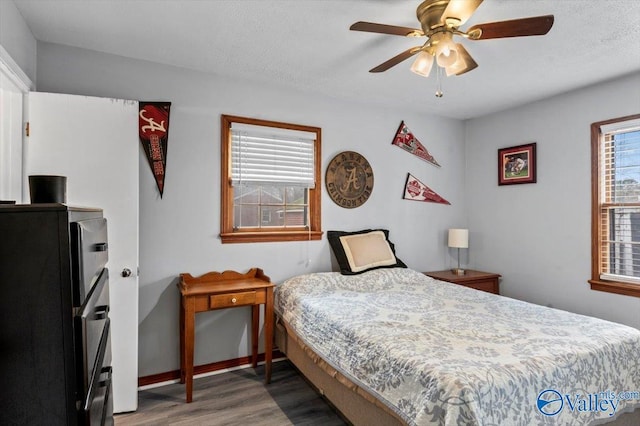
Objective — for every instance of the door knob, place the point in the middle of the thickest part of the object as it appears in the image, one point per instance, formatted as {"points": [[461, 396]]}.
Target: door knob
{"points": [[126, 272]]}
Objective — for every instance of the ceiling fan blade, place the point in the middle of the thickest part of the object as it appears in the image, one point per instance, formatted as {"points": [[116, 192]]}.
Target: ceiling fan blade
{"points": [[460, 10], [372, 27], [396, 59], [465, 62], [538, 25]]}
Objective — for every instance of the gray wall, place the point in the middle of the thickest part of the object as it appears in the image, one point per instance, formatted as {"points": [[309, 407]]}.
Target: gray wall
{"points": [[538, 236], [179, 233]]}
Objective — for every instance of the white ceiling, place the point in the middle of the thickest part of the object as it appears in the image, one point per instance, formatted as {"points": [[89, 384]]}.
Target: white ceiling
{"points": [[307, 45]]}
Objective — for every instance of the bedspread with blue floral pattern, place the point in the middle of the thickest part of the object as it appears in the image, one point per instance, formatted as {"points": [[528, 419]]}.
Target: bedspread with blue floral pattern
{"points": [[440, 353]]}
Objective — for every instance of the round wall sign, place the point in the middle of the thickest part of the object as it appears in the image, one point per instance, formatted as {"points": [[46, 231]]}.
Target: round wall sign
{"points": [[349, 179]]}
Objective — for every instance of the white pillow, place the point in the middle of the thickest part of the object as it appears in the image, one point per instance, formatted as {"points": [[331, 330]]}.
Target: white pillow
{"points": [[365, 251]]}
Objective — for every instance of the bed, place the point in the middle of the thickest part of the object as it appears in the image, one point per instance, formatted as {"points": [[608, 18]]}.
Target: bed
{"points": [[393, 346]]}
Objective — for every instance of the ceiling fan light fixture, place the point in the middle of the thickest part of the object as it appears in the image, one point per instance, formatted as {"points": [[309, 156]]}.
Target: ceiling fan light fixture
{"points": [[453, 69], [457, 66], [446, 53], [465, 62], [423, 63]]}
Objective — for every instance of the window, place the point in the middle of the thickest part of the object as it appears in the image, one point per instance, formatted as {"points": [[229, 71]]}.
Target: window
{"points": [[615, 215], [270, 181]]}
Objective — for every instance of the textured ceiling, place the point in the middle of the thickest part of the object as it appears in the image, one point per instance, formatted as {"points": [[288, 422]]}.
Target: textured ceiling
{"points": [[307, 45]]}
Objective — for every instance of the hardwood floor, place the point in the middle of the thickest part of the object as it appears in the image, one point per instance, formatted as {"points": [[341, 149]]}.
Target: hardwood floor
{"points": [[240, 398], [236, 398]]}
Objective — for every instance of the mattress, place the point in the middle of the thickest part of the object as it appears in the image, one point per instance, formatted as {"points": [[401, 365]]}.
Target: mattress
{"points": [[439, 353]]}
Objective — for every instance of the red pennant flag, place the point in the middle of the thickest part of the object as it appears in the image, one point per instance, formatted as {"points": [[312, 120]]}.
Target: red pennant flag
{"points": [[405, 140], [418, 191], [153, 119]]}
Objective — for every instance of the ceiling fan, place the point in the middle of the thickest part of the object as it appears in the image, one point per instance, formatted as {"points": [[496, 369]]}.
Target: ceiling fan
{"points": [[440, 21]]}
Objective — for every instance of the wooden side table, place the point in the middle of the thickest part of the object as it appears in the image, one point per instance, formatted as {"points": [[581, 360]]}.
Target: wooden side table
{"points": [[485, 281], [228, 289]]}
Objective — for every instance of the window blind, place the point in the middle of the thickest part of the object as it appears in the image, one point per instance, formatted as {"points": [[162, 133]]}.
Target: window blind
{"points": [[620, 202], [262, 155]]}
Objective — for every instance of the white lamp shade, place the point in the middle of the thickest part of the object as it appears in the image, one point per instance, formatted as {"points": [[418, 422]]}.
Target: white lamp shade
{"points": [[459, 238], [459, 64], [446, 53], [422, 64]]}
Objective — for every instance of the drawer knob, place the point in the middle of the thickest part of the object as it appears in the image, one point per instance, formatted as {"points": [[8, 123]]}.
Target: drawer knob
{"points": [[234, 300]]}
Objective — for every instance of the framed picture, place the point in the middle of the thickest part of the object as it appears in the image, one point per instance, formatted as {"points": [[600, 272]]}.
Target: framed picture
{"points": [[517, 164]]}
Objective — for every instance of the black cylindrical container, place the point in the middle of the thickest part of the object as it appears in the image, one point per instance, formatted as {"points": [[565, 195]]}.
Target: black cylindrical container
{"points": [[48, 189]]}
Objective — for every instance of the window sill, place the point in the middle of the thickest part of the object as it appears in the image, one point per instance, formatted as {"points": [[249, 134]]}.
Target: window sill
{"points": [[616, 287], [265, 237]]}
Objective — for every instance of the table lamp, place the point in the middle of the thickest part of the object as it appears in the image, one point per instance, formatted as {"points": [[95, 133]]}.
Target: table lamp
{"points": [[458, 238]]}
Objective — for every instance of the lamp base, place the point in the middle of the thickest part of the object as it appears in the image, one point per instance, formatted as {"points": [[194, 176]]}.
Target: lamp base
{"points": [[458, 271]]}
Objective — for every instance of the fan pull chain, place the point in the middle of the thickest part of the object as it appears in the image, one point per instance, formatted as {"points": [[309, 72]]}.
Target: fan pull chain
{"points": [[439, 82]]}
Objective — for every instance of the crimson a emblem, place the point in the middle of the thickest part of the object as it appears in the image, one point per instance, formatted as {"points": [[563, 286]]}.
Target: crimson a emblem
{"points": [[349, 179]]}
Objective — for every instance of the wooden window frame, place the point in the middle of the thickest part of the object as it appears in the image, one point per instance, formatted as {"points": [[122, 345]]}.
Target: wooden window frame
{"points": [[255, 235], [596, 282]]}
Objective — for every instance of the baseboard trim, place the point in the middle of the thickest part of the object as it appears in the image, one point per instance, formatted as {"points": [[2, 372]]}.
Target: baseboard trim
{"points": [[203, 369]]}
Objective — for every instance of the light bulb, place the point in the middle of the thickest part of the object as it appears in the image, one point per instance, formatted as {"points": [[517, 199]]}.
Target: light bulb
{"points": [[446, 53], [423, 63]]}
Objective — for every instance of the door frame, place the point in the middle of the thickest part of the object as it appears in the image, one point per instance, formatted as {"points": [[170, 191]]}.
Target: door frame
{"points": [[13, 71], [15, 123]]}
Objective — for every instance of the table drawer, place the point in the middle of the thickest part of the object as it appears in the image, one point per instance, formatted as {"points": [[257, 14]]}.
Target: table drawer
{"points": [[232, 299], [484, 285]]}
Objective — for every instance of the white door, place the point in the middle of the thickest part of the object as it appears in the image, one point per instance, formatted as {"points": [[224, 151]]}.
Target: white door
{"points": [[94, 142]]}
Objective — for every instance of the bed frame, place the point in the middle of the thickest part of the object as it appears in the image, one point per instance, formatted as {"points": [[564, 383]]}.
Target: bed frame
{"points": [[357, 405]]}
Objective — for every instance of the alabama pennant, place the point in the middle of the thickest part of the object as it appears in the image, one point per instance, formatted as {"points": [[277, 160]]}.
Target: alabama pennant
{"points": [[407, 141], [418, 191], [153, 119]]}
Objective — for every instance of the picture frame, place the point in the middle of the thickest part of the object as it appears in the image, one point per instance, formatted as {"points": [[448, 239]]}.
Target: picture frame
{"points": [[517, 164]]}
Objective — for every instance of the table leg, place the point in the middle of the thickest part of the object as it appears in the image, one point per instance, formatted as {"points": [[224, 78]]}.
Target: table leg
{"points": [[255, 333], [268, 335], [182, 352], [189, 337]]}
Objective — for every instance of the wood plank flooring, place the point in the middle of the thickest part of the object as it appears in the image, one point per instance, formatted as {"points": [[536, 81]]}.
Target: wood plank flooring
{"points": [[240, 398], [236, 398]]}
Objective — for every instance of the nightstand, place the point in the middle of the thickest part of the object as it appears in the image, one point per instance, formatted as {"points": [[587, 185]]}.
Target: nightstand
{"points": [[228, 289], [485, 281]]}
